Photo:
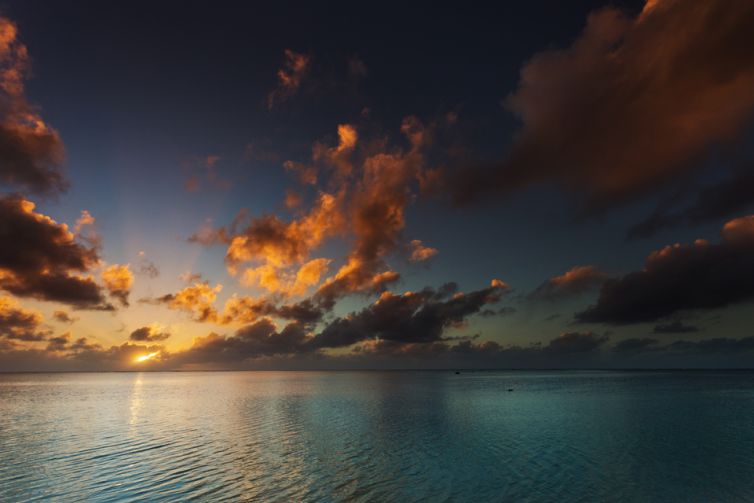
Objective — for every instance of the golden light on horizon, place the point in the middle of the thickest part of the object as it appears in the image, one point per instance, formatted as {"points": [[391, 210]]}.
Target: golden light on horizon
{"points": [[146, 357]]}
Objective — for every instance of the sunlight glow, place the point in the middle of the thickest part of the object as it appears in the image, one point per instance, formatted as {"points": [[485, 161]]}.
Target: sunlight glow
{"points": [[144, 358]]}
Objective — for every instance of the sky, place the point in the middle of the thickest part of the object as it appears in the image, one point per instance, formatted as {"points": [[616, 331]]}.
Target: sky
{"points": [[195, 186]]}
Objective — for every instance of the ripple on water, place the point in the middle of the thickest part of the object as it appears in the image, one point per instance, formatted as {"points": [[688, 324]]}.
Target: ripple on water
{"points": [[377, 436]]}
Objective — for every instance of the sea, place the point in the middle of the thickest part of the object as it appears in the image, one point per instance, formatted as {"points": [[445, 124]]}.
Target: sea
{"points": [[382, 436]]}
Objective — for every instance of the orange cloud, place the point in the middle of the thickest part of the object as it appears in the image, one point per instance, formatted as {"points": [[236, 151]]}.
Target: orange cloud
{"points": [[575, 281], [118, 281], [295, 68], [633, 103], [420, 253], [197, 299]]}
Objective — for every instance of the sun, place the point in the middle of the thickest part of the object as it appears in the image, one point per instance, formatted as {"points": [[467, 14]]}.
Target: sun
{"points": [[146, 357]]}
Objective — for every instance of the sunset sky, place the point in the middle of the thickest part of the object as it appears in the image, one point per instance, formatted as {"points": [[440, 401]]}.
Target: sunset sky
{"points": [[268, 186]]}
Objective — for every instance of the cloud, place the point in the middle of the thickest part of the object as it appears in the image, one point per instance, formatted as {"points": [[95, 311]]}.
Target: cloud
{"points": [[203, 171], [190, 277], [575, 342], [676, 327], [18, 323], [147, 267], [682, 277], [280, 244], [380, 191], [635, 345], [714, 201], [31, 152], [63, 353], [148, 334], [253, 341], [420, 253], [575, 281], [241, 309], [357, 68], [295, 68], [64, 317], [59, 343], [633, 103], [712, 346], [197, 299], [118, 281], [276, 280], [41, 258], [408, 318]]}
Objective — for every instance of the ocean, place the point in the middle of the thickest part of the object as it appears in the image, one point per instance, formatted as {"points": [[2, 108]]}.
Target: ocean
{"points": [[379, 436]]}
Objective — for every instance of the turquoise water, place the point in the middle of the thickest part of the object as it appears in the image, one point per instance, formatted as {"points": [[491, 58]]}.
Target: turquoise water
{"points": [[378, 436]]}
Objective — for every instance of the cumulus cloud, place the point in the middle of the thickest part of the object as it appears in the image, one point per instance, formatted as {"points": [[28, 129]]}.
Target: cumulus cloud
{"points": [[575, 281], [118, 281], [364, 193], [408, 318], [41, 258], [31, 152], [682, 277], [252, 341], [294, 70], [19, 323], [197, 299], [634, 102], [278, 251], [148, 334]]}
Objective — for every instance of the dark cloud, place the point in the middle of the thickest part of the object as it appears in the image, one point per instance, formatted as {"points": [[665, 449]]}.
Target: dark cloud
{"points": [[635, 345], [716, 345], [62, 353], [635, 102], [411, 317], [258, 340], [715, 201], [59, 343], [31, 152], [64, 317], [503, 311], [675, 327], [682, 277], [148, 334], [290, 76], [575, 342], [148, 269], [576, 281], [42, 259], [19, 323]]}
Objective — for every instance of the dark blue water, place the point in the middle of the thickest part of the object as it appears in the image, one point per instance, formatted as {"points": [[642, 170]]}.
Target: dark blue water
{"points": [[378, 436]]}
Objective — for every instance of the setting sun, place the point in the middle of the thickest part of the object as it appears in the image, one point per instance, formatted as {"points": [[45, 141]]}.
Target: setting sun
{"points": [[146, 357]]}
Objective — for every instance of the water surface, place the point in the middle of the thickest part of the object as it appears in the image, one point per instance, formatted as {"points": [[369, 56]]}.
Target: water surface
{"points": [[378, 436]]}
